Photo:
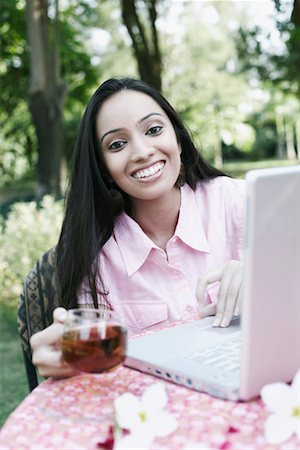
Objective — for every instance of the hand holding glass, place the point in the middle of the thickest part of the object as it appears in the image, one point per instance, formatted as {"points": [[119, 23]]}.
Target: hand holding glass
{"points": [[94, 340]]}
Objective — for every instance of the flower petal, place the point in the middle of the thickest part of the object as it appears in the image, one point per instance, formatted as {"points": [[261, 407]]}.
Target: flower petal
{"points": [[154, 398], [163, 424], [278, 428], [278, 397], [298, 428], [127, 408], [296, 385], [134, 441]]}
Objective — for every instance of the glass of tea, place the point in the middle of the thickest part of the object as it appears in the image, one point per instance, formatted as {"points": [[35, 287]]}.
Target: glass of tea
{"points": [[94, 340]]}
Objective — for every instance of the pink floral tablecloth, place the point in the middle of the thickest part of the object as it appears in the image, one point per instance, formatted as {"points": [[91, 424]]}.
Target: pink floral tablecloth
{"points": [[76, 413]]}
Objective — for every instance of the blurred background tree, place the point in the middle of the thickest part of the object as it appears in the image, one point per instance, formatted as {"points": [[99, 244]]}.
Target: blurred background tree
{"points": [[145, 39], [234, 80], [47, 92], [277, 69], [35, 58]]}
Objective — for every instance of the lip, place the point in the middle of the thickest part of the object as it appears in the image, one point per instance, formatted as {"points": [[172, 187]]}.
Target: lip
{"points": [[148, 166]]}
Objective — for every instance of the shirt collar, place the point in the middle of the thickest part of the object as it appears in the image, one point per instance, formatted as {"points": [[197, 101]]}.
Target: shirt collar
{"points": [[133, 243], [190, 228], [135, 246]]}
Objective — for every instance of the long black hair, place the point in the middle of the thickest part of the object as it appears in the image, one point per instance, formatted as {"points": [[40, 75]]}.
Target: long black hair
{"points": [[91, 204]]}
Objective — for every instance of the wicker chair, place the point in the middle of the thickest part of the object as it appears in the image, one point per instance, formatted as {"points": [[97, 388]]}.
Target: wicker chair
{"points": [[39, 298]]}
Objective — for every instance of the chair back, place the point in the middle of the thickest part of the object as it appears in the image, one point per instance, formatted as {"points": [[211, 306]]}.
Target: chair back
{"points": [[40, 296]]}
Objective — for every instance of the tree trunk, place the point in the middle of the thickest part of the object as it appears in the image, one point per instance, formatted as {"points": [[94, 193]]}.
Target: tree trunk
{"points": [[297, 131], [145, 44], [218, 155], [280, 135], [295, 18], [46, 94], [290, 144]]}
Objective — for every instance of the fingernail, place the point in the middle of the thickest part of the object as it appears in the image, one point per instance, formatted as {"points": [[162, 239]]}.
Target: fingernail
{"points": [[216, 322], [225, 322]]}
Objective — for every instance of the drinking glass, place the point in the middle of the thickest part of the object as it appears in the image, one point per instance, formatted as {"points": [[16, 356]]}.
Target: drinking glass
{"points": [[94, 340]]}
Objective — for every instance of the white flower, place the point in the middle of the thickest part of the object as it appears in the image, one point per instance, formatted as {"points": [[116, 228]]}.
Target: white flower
{"points": [[144, 417], [284, 401], [133, 442]]}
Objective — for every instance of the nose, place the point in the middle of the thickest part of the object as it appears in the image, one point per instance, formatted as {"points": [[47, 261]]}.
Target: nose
{"points": [[141, 150]]}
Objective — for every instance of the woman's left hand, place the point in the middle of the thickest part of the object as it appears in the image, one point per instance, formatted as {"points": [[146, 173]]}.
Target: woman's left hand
{"points": [[229, 297]]}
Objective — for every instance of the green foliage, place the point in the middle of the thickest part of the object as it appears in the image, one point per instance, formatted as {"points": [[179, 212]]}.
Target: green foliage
{"points": [[204, 86], [28, 232], [282, 67], [17, 143], [77, 69], [14, 65], [18, 152], [218, 76], [13, 378], [16, 133]]}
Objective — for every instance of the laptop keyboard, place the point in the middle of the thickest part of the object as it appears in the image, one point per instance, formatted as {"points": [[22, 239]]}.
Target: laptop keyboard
{"points": [[225, 357]]}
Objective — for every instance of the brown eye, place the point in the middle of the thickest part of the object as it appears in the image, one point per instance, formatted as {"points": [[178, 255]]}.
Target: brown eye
{"points": [[117, 145], [154, 130]]}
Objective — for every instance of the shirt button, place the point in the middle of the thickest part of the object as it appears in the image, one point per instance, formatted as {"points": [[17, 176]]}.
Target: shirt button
{"points": [[189, 309]]}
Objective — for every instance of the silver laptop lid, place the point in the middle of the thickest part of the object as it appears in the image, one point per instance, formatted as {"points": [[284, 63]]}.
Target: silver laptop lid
{"points": [[271, 310]]}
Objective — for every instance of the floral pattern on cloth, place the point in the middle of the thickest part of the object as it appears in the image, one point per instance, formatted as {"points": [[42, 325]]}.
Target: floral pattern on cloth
{"points": [[76, 414]]}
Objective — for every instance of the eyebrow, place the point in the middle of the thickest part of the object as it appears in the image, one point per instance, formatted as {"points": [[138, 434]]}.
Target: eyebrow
{"points": [[115, 130]]}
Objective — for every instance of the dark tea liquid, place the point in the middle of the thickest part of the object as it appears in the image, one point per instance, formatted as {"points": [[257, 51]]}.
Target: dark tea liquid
{"points": [[95, 352]]}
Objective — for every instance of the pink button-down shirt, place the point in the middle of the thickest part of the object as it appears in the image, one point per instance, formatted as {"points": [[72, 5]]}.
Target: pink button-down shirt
{"points": [[155, 287]]}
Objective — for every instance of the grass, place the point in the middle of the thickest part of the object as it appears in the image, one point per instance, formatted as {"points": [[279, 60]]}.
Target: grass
{"points": [[237, 169], [13, 377], [17, 189]]}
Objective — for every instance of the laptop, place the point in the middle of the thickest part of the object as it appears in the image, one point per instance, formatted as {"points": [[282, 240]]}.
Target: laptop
{"points": [[263, 345]]}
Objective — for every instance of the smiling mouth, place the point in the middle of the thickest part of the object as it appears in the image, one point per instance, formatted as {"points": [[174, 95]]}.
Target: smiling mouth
{"points": [[145, 173]]}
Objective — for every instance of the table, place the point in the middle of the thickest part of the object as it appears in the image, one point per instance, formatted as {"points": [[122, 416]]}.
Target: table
{"points": [[76, 414]]}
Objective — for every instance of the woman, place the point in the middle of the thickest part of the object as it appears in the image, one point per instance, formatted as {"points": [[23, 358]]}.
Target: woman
{"points": [[149, 226]]}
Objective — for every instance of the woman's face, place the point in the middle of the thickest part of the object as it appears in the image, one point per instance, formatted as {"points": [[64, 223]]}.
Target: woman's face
{"points": [[139, 145]]}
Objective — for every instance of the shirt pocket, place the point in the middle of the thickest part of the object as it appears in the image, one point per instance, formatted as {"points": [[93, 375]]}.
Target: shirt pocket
{"points": [[140, 315]]}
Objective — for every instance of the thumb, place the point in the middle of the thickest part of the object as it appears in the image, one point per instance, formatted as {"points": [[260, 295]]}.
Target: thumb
{"points": [[59, 315]]}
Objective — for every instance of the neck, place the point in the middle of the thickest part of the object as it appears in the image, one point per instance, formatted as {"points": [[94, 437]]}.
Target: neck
{"points": [[158, 218]]}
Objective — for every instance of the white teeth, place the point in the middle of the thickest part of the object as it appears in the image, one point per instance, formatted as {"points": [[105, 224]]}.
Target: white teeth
{"points": [[149, 171]]}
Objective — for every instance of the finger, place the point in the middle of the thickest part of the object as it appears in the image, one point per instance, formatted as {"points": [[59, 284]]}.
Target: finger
{"points": [[228, 295], [222, 295], [238, 306], [59, 315], [46, 356], [231, 304], [203, 282], [208, 310], [61, 372], [48, 336]]}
